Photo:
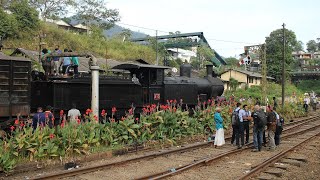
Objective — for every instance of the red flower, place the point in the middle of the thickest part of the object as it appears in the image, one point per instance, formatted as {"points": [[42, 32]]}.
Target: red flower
{"points": [[174, 101], [61, 112], [122, 118], [78, 121], [137, 119], [114, 109], [16, 121], [103, 112], [130, 111], [51, 136], [174, 109], [171, 101], [95, 118], [62, 125], [12, 128], [21, 125], [88, 111]]}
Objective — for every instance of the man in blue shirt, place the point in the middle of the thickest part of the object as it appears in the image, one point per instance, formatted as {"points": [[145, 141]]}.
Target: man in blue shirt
{"points": [[66, 63], [38, 119]]}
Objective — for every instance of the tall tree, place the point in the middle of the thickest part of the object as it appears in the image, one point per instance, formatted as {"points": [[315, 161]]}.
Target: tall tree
{"points": [[8, 25], [25, 15], [231, 61], [299, 46], [312, 46], [96, 12], [274, 44], [52, 8]]}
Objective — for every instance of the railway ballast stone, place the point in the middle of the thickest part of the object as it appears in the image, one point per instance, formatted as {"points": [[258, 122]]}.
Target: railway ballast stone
{"points": [[274, 171], [291, 162], [297, 157]]}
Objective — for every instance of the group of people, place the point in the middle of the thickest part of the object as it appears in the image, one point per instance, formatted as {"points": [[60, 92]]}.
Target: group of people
{"points": [[52, 66], [46, 118], [264, 123]]}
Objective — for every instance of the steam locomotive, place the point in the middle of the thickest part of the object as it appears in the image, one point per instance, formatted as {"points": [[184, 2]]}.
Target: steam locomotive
{"points": [[145, 84]]}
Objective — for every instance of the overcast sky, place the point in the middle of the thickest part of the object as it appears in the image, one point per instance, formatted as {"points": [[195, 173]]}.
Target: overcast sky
{"points": [[245, 21]]}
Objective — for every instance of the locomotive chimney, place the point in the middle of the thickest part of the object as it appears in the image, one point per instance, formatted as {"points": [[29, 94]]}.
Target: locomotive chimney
{"points": [[209, 70], [185, 70]]}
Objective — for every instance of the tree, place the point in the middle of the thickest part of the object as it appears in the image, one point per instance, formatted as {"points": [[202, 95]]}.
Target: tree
{"points": [[96, 12], [299, 46], [312, 46], [233, 84], [205, 53], [8, 25], [52, 8], [274, 44], [231, 61], [25, 15]]}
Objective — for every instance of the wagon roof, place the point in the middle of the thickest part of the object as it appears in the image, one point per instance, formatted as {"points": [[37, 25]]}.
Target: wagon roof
{"points": [[10, 58]]}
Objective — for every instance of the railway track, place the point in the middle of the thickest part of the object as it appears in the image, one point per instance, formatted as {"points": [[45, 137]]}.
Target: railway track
{"points": [[176, 160], [233, 164]]}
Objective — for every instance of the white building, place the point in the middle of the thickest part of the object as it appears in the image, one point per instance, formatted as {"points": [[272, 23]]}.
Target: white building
{"points": [[184, 55]]}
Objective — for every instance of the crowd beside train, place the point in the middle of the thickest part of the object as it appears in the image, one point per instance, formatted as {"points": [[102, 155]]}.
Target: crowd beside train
{"points": [[267, 124]]}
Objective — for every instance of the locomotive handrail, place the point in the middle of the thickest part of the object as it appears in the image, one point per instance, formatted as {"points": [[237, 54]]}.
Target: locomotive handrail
{"points": [[92, 61]]}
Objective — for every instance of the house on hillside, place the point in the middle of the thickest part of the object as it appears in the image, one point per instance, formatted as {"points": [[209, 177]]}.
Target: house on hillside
{"points": [[244, 78], [184, 55], [302, 56]]}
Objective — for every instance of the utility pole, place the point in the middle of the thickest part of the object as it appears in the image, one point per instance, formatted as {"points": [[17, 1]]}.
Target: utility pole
{"points": [[263, 72], [283, 61], [157, 47], [41, 36]]}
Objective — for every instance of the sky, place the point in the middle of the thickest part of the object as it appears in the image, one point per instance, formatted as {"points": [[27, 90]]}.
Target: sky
{"points": [[228, 25]]}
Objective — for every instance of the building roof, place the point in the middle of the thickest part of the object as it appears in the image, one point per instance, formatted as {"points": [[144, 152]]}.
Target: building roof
{"points": [[135, 65], [80, 26], [33, 55], [5, 57], [249, 73]]}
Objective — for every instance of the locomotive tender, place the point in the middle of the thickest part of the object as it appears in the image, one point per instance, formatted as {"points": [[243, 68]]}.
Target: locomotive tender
{"points": [[147, 84]]}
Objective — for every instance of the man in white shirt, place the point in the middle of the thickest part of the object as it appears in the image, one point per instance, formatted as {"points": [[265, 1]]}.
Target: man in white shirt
{"points": [[240, 133], [73, 114], [246, 115]]}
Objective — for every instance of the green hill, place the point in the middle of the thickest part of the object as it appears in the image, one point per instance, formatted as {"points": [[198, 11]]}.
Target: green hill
{"points": [[112, 48]]}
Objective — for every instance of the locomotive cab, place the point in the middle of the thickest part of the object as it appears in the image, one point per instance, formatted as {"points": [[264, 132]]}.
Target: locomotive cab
{"points": [[151, 78]]}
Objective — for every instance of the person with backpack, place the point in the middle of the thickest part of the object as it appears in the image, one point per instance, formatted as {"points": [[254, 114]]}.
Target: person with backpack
{"points": [[235, 122], [279, 127], [271, 127], [49, 117], [259, 123], [237, 118]]}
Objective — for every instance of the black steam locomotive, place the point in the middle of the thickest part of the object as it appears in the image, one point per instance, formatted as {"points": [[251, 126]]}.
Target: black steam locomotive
{"points": [[145, 84]]}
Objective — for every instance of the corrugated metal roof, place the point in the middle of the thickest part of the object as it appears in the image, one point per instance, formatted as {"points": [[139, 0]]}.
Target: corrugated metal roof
{"points": [[33, 55], [5, 57], [133, 65]]}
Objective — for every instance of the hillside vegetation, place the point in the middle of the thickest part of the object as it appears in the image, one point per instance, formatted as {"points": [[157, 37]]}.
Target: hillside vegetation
{"points": [[112, 48]]}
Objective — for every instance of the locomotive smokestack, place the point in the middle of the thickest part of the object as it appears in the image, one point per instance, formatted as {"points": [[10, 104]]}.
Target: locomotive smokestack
{"points": [[185, 70], [209, 70]]}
